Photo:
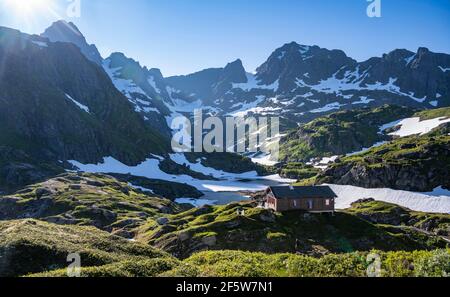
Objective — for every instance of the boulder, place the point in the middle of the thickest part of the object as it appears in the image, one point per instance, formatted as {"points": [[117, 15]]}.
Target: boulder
{"points": [[162, 221], [267, 217], [209, 240], [40, 192]]}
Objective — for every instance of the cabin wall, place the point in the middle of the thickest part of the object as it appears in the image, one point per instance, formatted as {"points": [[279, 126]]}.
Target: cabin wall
{"points": [[306, 204]]}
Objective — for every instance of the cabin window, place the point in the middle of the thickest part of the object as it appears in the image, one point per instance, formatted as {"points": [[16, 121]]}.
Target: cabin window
{"points": [[327, 202], [295, 203], [310, 204]]}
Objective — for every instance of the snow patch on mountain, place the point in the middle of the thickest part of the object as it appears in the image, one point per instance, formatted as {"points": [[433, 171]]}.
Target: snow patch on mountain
{"points": [[434, 103], [126, 86], [328, 107], [254, 83], [352, 81], [199, 167], [426, 202], [40, 43], [150, 169], [414, 126], [364, 100], [80, 106], [246, 107], [367, 148], [323, 163], [444, 69], [410, 59], [151, 81], [264, 159]]}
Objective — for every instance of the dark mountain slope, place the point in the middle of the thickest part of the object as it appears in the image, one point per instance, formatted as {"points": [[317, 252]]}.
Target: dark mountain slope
{"points": [[210, 84], [67, 32], [56, 105]]}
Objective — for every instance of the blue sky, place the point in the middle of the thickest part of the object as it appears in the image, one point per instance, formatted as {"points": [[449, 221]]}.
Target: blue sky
{"points": [[183, 36]]}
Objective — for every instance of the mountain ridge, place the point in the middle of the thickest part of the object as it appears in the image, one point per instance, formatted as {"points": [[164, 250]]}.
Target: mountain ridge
{"points": [[299, 83], [57, 105]]}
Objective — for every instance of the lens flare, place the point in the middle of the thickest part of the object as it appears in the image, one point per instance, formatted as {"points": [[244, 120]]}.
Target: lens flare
{"points": [[26, 9]]}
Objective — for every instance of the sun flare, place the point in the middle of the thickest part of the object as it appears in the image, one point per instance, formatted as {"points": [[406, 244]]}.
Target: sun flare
{"points": [[25, 9]]}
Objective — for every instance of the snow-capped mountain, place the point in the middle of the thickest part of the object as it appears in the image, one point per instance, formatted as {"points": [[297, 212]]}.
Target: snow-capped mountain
{"points": [[146, 89], [297, 82], [56, 104], [142, 87], [63, 31], [302, 82]]}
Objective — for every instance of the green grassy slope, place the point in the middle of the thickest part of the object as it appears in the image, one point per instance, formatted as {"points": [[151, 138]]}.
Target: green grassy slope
{"points": [[86, 199], [340, 133], [416, 163], [31, 246], [222, 228]]}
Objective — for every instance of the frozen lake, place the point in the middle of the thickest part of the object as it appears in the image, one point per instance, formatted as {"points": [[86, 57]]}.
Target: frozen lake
{"points": [[225, 197]]}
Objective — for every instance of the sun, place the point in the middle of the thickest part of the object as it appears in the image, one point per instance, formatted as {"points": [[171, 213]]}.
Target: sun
{"points": [[26, 9]]}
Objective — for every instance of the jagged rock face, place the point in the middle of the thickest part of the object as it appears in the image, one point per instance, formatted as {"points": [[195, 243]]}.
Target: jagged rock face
{"points": [[144, 88], [232, 73], [294, 61], [17, 169], [297, 82], [418, 167], [210, 84], [55, 104], [300, 83], [140, 85], [391, 176], [63, 31]]}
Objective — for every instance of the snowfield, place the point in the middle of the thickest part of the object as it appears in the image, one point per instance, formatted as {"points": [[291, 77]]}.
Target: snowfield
{"points": [[196, 202], [364, 100], [367, 148], [352, 81], [413, 126], [180, 159], [229, 182], [126, 86], [437, 201], [246, 108], [254, 83], [328, 107], [264, 159], [40, 43]]}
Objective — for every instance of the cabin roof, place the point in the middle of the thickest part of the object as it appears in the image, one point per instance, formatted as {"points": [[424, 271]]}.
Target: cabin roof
{"points": [[286, 192]]}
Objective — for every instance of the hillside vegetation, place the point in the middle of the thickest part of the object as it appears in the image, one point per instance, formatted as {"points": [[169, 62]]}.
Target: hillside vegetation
{"points": [[86, 199], [31, 246], [241, 226], [216, 241], [415, 163], [340, 133]]}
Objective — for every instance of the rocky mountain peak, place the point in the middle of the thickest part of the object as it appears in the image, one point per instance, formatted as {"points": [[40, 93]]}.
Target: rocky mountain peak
{"points": [[62, 31], [234, 72], [423, 50], [399, 55], [118, 59], [156, 73]]}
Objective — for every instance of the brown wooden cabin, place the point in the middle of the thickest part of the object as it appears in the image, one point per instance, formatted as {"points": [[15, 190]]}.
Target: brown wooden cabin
{"points": [[311, 199]]}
